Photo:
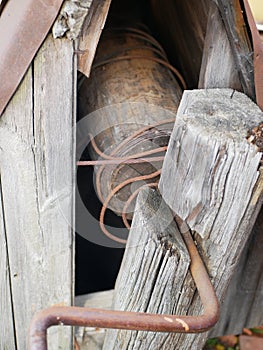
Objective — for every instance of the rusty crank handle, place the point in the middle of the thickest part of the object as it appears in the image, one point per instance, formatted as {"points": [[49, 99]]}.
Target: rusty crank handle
{"points": [[89, 317]]}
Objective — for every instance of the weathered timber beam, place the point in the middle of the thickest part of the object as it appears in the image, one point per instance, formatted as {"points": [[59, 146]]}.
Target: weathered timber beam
{"points": [[219, 68], [238, 35], [90, 34], [154, 267], [37, 171], [243, 302], [211, 178]]}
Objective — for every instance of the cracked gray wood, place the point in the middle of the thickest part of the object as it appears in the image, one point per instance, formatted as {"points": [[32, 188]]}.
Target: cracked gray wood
{"points": [[243, 303], [219, 68], [36, 166], [239, 38], [211, 179], [154, 268]]}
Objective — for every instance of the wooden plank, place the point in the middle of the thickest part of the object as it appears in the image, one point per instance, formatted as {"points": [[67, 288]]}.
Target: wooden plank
{"points": [[238, 34], [37, 147], [54, 157], [201, 181], [90, 34], [181, 27], [88, 337], [243, 302], [7, 335], [154, 268], [218, 69]]}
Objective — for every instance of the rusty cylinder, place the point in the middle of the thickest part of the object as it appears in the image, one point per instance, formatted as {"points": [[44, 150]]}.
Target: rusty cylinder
{"points": [[131, 93]]}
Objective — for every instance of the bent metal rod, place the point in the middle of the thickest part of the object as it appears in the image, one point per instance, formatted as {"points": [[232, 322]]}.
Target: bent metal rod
{"points": [[90, 317]]}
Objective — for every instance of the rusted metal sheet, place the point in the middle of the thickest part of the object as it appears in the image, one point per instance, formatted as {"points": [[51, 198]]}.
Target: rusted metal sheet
{"points": [[76, 316], [23, 27]]}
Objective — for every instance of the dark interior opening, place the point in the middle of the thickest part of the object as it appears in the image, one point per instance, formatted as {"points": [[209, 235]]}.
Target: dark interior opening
{"points": [[171, 23], [97, 266]]}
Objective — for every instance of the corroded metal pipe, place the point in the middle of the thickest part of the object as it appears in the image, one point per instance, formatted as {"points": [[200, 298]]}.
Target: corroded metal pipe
{"points": [[88, 317]]}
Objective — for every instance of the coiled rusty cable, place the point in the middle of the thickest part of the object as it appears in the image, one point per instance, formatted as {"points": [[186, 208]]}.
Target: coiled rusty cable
{"points": [[117, 160], [130, 199], [110, 196]]}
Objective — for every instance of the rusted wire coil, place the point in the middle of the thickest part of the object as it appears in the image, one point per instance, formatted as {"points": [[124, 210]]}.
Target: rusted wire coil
{"points": [[113, 159]]}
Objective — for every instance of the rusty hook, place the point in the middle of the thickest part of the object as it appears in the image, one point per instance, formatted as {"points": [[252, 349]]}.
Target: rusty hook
{"points": [[89, 317]]}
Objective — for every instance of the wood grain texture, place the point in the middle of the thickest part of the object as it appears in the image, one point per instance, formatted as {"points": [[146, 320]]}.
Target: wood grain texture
{"points": [[210, 178], [239, 39], [218, 68], [240, 307], [90, 34], [37, 148], [243, 303], [153, 272], [208, 148], [181, 27]]}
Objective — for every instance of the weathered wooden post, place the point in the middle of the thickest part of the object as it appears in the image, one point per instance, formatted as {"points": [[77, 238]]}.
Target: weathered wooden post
{"points": [[36, 190], [155, 254], [219, 206]]}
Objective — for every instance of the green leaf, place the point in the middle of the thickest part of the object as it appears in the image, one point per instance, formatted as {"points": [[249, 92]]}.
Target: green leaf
{"points": [[257, 330], [212, 341]]}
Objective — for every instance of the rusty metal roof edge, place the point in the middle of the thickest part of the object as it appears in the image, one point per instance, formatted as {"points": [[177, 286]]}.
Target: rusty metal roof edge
{"points": [[23, 27]]}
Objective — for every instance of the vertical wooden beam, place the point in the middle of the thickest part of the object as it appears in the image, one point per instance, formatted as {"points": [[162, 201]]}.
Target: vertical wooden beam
{"points": [[219, 68], [37, 172], [211, 179], [238, 35], [90, 34], [153, 271], [243, 303]]}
